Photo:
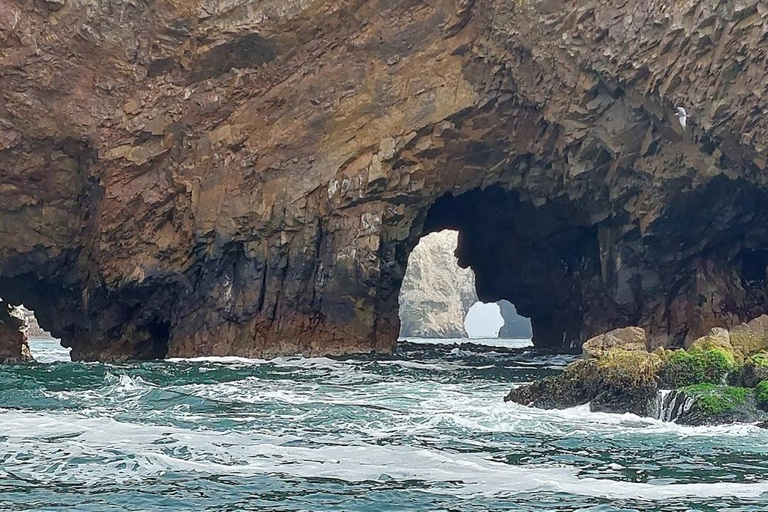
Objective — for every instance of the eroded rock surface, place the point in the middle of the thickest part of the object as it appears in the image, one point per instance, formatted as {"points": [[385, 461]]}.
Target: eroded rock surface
{"points": [[14, 347], [191, 178], [436, 293]]}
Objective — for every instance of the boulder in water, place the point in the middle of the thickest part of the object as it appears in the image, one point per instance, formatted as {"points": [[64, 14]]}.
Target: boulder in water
{"points": [[621, 381], [711, 404], [687, 387]]}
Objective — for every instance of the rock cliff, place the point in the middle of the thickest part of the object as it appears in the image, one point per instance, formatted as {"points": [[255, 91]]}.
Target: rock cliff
{"points": [[249, 177], [14, 347], [436, 293], [515, 326]]}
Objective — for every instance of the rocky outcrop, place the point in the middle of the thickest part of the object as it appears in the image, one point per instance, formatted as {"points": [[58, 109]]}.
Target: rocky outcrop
{"points": [[191, 178], [704, 385], [14, 347], [515, 326], [626, 338], [436, 293]]}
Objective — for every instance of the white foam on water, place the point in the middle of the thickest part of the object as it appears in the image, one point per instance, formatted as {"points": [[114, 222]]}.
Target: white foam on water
{"points": [[120, 452], [341, 420]]}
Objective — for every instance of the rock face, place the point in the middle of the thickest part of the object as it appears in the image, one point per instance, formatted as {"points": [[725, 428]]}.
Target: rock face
{"points": [[436, 293], [515, 326], [190, 178], [13, 335]]}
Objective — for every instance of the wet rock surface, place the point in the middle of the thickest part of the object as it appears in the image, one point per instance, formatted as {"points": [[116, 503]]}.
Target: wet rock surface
{"points": [[711, 404], [705, 385], [622, 381], [189, 178]]}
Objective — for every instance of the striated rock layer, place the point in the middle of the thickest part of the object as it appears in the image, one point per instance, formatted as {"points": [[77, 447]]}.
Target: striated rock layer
{"points": [[436, 293], [246, 177]]}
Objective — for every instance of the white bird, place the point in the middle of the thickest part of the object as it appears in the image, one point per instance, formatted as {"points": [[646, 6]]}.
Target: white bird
{"points": [[681, 116]]}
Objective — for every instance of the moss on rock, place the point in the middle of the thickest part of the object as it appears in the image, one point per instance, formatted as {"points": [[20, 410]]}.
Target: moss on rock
{"points": [[709, 404], [718, 338], [697, 367], [761, 394], [628, 379], [754, 370], [620, 381], [714, 399]]}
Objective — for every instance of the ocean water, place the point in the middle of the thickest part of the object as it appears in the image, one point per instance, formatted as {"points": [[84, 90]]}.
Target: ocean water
{"points": [[425, 429]]}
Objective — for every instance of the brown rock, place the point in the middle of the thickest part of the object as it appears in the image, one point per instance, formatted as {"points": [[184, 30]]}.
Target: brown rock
{"points": [[13, 335], [750, 338], [627, 338], [717, 338], [179, 179]]}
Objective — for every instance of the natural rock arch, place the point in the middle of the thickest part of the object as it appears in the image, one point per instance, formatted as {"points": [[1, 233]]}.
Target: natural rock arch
{"points": [[161, 200], [436, 293]]}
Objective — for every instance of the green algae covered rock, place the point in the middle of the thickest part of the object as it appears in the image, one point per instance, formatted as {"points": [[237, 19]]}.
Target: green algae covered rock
{"points": [[721, 378], [628, 382], [696, 367], [753, 371], [620, 381], [711, 404], [761, 394]]}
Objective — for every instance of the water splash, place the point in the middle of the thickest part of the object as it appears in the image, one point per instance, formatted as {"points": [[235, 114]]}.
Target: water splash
{"points": [[670, 405]]}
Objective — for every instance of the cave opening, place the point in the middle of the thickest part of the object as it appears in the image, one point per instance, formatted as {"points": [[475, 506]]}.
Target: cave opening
{"points": [[29, 311], [528, 259], [438, 298]]}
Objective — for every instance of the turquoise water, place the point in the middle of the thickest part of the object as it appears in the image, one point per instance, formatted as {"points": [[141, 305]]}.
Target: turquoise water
{"points": [[425, 429]]}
